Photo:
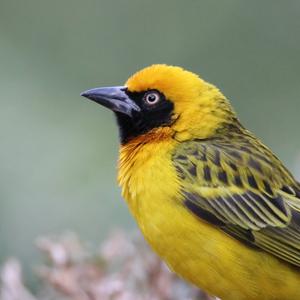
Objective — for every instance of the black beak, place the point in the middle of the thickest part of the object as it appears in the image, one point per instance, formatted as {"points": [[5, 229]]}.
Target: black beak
{"points": [[113, 98]]}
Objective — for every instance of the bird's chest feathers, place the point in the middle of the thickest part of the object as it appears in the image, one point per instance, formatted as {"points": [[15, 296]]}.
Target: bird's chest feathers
{"points": [[148, 179]]}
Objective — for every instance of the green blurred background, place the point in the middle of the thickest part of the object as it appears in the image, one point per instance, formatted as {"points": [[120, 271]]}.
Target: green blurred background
{"points": [[58, 151]]}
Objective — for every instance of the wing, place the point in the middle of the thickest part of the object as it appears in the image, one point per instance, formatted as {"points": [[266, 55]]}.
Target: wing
{"points": [[243, 189]]}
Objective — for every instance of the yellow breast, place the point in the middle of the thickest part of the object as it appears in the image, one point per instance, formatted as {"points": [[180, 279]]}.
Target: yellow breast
{"points": [[194, 249]]}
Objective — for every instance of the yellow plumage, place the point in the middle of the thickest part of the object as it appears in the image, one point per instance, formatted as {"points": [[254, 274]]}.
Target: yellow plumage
{"points": [[194, 249], [210, 199]]}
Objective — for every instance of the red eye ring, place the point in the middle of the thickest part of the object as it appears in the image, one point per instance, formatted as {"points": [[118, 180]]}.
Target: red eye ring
{"points": [[152, 98]]}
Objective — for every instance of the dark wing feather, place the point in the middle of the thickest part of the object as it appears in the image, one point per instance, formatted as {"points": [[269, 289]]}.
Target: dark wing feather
{"points": [[245, 190]]}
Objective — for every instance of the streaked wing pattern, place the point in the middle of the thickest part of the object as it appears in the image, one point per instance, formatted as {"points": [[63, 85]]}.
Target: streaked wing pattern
{"points": [[244, 190]]}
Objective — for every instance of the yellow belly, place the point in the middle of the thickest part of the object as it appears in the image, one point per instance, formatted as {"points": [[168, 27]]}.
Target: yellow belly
{"points": [[194, 249], [210, 259]]}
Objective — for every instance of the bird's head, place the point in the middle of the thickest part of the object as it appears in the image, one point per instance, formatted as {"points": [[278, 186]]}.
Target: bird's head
{"points": [[166, 99]]}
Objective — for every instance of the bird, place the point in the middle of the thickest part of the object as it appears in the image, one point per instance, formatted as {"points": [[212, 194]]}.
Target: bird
{"points": [[210, 198]]}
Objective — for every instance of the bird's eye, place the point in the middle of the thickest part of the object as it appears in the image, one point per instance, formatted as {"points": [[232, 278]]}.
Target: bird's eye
{"points": [[152, 97]]}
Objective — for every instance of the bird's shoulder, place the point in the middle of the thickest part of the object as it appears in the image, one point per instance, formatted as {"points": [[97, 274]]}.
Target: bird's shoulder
{"points": [[238, 160]]}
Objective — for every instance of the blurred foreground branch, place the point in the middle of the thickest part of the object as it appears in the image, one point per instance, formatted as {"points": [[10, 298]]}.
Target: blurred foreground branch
{"points": [[123, 268]]}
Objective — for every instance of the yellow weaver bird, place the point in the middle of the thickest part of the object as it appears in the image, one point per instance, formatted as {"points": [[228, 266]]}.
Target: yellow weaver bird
{"points": [[212, 201]]}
